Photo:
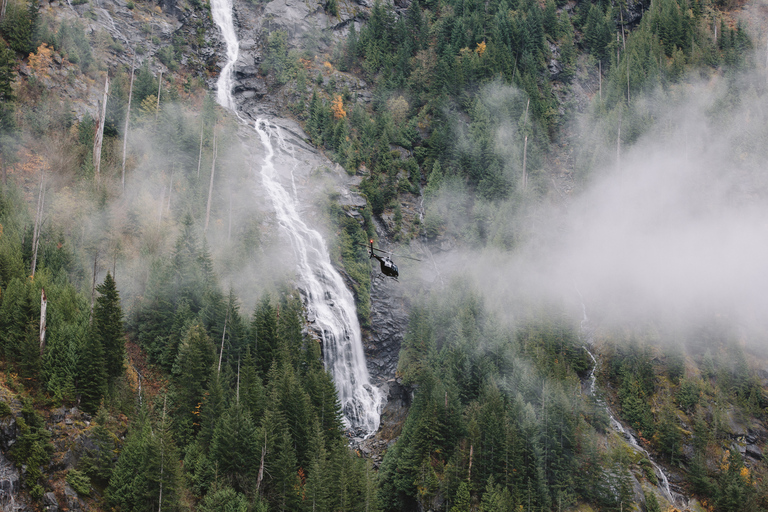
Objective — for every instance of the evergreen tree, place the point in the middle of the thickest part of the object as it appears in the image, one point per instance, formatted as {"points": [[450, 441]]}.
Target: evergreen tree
{"points": [[91, 374], [224, 499], [264, 334], [252, 394], [7, 74], [235, 449], [597, 33], [192, 374], [108, 327], [18, 26]]}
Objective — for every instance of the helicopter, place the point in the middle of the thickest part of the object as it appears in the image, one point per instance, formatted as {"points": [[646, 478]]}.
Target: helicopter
{"points": [[388, 267]]}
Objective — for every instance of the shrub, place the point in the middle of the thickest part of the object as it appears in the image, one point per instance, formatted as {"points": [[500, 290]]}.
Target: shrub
{"points": [[79, 482]]}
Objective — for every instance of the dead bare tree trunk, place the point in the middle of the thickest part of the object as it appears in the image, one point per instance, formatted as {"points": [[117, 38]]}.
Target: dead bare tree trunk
{"points": [[525, 148], [2, 9], [223, 335], [210, 186], [471, 452], [200, 154], [43, 311], [93, 284], [38, 222], [170, 189], [261, 466], [159, 88], [100, 132], [162, 205], [229, 227], [237, 390], [162, 460], [618, 145], [128, 116], [600, 79]]}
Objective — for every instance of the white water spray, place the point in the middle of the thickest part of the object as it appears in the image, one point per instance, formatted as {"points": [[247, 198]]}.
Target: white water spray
{"points": [[328, 300], [222, 16], [586, 331]]}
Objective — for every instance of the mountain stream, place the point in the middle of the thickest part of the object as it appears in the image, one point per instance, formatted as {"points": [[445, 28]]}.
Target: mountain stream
{"points": [[586, 334], [328, 301]]}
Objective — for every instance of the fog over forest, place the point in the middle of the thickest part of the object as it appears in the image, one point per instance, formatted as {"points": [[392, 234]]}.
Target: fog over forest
{"points": [[672, 229]]}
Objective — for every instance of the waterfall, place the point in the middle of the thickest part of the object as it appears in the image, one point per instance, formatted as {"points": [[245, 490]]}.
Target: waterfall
{"points": [[328, 300], [587, 337], [222, 16]]}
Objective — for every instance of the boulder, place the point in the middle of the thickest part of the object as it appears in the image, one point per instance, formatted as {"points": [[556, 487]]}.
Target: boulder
{"points": [[8, 432], [74, 503], [50, 502]]}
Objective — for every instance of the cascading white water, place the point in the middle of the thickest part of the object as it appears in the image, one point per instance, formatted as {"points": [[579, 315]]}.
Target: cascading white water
{"points": [[328, 299], [222, 16], [663, 482]]}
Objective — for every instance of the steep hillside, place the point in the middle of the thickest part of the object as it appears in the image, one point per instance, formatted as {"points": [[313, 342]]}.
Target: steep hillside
{"points": [[525, 152]]}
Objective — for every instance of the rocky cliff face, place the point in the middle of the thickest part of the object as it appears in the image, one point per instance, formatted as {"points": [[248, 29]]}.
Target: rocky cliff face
{"points": [[308, 24]]}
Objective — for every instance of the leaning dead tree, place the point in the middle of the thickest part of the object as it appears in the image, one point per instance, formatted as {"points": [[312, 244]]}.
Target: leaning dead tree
{"points": [[43, 310], [210, 186], [159, 88], [38, 222], [100, 131], [200, 154], [93, 284], [128, 116], [525, 147]]}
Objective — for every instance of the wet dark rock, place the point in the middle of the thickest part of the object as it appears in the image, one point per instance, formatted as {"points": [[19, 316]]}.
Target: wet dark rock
{"points": [[254, 85], [10, 480], [58, 415], [49, 500], [8, 432], [74, 503], [754, 452], [554, 66], [634, 12]]}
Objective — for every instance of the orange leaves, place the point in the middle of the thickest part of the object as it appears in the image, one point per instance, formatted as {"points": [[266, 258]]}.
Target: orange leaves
{"points": [[337, 107], [480, 50], [42, 60], [744, 473]]}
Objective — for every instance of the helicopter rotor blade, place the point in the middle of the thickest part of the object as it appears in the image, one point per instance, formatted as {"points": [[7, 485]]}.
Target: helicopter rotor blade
{"points": [[388, 252], [407, 257]]}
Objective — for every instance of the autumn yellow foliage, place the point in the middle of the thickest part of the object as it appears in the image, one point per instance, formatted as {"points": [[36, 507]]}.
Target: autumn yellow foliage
{"points": [[480, 50], [41, 61], [337, 107], [745, 474]]}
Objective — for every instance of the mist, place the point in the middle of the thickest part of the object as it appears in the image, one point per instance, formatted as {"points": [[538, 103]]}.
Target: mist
{"points": [[671, 229]]}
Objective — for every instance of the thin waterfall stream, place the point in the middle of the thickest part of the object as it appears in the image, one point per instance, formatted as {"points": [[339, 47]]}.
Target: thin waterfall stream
{"points": [[586, 334], [330, 305]]}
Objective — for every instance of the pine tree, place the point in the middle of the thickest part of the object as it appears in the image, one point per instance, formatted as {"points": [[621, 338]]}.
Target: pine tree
{"points": [[191, 375], [18, 26], [91, 374], [251, 389], [264, 333], [108, 327], [224, 499], [235, 449], [461, 502], [7, 74], [124, 489]]}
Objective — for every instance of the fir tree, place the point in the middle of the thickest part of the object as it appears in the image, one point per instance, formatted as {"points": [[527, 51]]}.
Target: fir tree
{"points": [[108, 327], [264, 334], [92, 374]]}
